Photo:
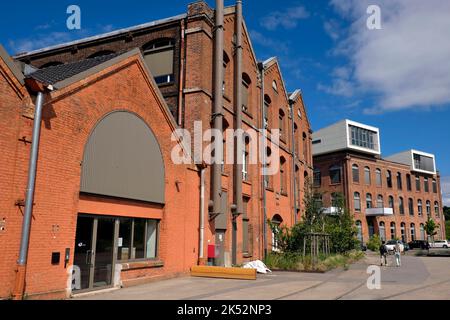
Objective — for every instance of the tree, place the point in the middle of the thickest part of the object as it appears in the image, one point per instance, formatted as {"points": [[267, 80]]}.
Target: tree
{"points": [[447, 213], [430, 228]]}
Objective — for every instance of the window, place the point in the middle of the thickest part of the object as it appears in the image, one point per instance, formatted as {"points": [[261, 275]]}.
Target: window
{"points": [[413, 231], [281, 125], [267, 103], [378, 177], [389, 178], [159, 56], [393, 230], [417, 183], [305, 147], [428, 208], [401, 206], [335, 199], [411, 207], [391, 202], [422, 232], [283, 178], [367, 175], [436, 209], [380, 202], [426, 185], [101, 53], [267, 177], [317, 180], [362, 137], [359, 228], [403, 231], [434, 186], [274, 86], [245, 158], [369, 201], [355, 172], [408, 182], [357, 201], [226, 61], [419, 207], [246, 88], [382, 231], [335, 174], [137, 239], [422, 162], [276, 221], [399, 181]]}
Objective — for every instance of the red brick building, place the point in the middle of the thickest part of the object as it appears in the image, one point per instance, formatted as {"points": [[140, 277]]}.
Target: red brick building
{"points": [[392, 197], [113, 102]]}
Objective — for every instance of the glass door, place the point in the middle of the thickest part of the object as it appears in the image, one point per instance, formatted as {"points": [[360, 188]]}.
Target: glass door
{"points": [[83, 253], [104, 248]]}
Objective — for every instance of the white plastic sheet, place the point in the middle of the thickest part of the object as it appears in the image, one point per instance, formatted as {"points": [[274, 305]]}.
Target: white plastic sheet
{"points": [[258, 265]]}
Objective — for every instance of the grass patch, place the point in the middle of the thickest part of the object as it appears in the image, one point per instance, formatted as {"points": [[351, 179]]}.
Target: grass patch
{"points": [[296, 262]]}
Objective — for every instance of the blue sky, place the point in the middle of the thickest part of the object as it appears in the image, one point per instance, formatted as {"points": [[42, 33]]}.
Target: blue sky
{"points": [[396, 78]]}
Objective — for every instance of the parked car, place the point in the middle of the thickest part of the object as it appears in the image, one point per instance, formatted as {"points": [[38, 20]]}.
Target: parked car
{"points": [[390, 245], [439, 244], [418, 244]]}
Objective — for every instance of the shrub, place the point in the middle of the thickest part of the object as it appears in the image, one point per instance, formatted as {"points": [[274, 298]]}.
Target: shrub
{"points": [[374, 243]]}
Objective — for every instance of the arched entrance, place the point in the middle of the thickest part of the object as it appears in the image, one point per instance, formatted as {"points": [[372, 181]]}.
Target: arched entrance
{"points": [[122, 190]]}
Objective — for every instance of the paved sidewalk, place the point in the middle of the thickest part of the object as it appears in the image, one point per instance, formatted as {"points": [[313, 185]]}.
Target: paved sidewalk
{"points": [[417, 278]]}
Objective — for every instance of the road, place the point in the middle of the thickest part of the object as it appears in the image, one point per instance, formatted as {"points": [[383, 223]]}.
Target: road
{"points": [[418, 278]]}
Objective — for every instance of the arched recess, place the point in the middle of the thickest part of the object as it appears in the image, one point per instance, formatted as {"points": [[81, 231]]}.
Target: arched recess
{"points": [[122, 158]]}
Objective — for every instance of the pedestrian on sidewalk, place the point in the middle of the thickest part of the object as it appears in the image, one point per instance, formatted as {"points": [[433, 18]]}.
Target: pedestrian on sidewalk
{"points": [[397, 253], [383, 254]]}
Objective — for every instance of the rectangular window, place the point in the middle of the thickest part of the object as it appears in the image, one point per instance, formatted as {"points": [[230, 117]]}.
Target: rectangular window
{"points": [[417, 183], [161, 65], [408, 182], [362, 137], [426, 185], [137, 239], [245, 89], [335, 175], [434, 186]]}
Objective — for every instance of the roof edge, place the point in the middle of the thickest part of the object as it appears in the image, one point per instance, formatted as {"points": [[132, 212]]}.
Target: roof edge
{"points": [[12, 65]]}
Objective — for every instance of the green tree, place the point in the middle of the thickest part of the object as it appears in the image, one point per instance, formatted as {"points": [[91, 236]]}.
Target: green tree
{"points": [[430, 228]]}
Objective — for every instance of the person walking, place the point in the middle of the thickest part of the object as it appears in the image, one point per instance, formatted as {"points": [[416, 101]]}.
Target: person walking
{"points": [[397, 253], [383, 254]]}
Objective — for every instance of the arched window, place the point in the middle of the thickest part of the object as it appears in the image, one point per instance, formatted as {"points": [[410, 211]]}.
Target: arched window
{"points": [[411, 206], [436, 209], [428, 206], [357, 201], [417, 183], [408, 182], [419, 207], [413, 231], [283, 176], [378, 177], [245, 158], [275, 86], [401, 205], [281, 124], [380, 202], [426, 185], [389, 178], [267, 177], [355, 173], [382, 231], [246, 92], [399, 181], [317, 178], [391, 202], [422, 232], [267, 102], [335, 174], [393, 232], [359, 228], [369, 201], [226, 75], [434, 186], [403, 232], [305, 147], [101, 54], [276, 223], [367, 175], [159, 56]]}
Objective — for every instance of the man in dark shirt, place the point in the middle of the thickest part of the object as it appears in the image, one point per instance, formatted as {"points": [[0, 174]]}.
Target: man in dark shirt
{"points": [[383, 254]]}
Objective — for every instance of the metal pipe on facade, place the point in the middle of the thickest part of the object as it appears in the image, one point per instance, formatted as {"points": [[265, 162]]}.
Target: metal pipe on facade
{"points": [[181, 84], [263, 153], [291, 103], [217, 121], [26, 223], [202, 215], [239, 143]]}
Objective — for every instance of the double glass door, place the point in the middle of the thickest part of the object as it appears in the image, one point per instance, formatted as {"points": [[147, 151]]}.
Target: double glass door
{"points": [[94, 252]]}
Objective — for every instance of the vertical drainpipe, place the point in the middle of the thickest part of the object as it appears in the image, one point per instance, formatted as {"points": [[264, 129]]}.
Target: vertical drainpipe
{"points": [[182, 64], [19, 288], [263, 153], [238, 150], [217, 119], [201, 245], [291, 103]]}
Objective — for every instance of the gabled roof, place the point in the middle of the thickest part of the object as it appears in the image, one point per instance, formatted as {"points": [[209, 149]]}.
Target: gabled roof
{"points": [[274, 61], [102, 36], [55, 74]]}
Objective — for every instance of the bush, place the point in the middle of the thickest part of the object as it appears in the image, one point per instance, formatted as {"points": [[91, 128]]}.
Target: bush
{"points": [[374, 243]]}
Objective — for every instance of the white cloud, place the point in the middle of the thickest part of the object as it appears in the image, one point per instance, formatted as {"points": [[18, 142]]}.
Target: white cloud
{"points": [[445, 186], [341, 83], [332, 28], [267, 42], [39, 41], [406, 64], [287, 19]]}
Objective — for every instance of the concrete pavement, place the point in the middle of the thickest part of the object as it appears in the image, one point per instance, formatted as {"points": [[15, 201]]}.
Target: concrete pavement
{"points": [[417, 278]]}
